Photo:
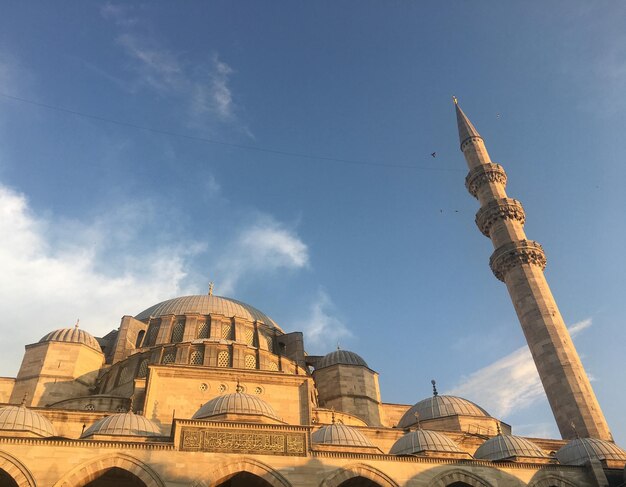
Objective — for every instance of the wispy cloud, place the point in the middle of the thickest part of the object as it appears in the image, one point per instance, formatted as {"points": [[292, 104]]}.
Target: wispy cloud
{"points": [[322, 329], [509, 383], [54, 272], [263, 247]]}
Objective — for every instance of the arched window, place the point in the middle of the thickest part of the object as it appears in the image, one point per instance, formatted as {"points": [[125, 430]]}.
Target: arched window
{"points": [[247, 479], [250, 336], [223, 359], [142, 371], [139, 338], [196, 357], [227, 331], [6, 479], [204, 330], [117, 476], [153, 331], [169, 357], [250, 362], [178, 332]]}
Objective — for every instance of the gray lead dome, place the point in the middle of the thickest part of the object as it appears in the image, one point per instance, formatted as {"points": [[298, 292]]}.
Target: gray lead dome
{"points": [[23, 420], [507, 446], [439, 407], [340, 435], [72, 335], [341, 357], [123, 424], [582, 450], [236, 403], [420, 441]]}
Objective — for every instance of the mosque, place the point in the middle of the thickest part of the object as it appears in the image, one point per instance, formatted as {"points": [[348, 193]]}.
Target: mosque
{"points": [[208, 391]]}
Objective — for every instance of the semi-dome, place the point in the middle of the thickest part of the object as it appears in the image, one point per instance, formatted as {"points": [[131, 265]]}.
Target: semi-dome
{"points": [[205, 305], [236, 403], [438, 407], [72, 335], [342, 357], [581, 450], [123, 424], [501, 447], [420, 441], [20, 419], [340, 435]]}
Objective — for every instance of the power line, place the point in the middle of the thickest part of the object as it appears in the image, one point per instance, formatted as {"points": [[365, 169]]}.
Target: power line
{"points": [[219, 142]]}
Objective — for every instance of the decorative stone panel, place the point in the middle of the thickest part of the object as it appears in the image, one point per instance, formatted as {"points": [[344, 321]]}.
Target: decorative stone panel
{"points": [[483, 174], [501, 209], [513, 254]]}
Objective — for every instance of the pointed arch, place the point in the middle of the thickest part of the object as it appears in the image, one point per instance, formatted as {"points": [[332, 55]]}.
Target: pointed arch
{"points": [[550, 480], [227, 470], [357, 470], [459, 475], [92, 469], [16, 469]]}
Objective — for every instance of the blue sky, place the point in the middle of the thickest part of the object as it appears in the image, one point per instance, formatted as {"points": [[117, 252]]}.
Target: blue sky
{"points": [[288, 160]]}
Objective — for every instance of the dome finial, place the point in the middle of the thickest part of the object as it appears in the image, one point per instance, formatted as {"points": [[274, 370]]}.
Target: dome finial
{"points": [[211, 285], [338, 347], [417, 420], [574, 428], [24, 400], [498, 428], [130, 405], [77, 322], [332, 415], [238, 388], [434, 383]]}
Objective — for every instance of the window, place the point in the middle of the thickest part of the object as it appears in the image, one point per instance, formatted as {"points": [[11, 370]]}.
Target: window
{"points": [[273, 366], [142, 371], [125, 375], [269, 342], [227, 331], [178, 332], [250, 362], [249, 336], [204, 330], [153, 331], [223, 359], [169, 357], [139, 338], [196, 357]]}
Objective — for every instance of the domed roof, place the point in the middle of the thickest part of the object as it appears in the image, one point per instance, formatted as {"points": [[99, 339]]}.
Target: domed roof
{"points": [[236, 403], [72, 335], [501, 447], [581, 450], [340, 434], [343, 357], [20, 418], [205, 305], [420, 440], [438, 407], [123, 424]]}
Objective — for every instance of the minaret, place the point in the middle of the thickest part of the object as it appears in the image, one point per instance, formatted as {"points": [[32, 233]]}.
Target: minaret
{"points": [[519, 263]]}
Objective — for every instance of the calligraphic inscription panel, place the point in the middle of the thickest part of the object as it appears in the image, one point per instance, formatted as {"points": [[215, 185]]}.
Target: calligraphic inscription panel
{"points": [[243, 441]]}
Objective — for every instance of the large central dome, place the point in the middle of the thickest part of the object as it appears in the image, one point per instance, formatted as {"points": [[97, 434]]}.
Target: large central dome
{"points": [[206, 305]]}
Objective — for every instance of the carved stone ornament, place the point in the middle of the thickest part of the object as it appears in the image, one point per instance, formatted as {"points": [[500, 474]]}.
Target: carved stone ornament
{"points": [[514, 254], [501, 209], [485, 173], [243, 441]]}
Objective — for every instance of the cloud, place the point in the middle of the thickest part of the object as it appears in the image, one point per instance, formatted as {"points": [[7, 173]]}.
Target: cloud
{"points": [[55, 271], [322, 330], [511, 382], [120, 14], [261, 248], [202, 87]]}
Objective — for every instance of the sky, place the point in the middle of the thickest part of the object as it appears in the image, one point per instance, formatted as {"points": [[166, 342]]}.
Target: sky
{"points": [[282, 150]]}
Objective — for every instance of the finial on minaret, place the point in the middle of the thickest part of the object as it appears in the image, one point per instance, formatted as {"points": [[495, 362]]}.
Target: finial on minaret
{"points": [[456, 102], [211, 284], [77, 322], [466, 128], [434, 383]]}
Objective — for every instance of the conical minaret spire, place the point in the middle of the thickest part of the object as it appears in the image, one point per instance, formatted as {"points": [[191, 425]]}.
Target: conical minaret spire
{"points": [[519, 263]]}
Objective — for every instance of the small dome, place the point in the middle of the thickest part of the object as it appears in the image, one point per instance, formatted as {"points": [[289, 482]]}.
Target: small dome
{"points": [[439, 407], [20, 418], [581, 450], [340, 435], [342, 357], [206, 305], [72, 335], [419, 441], [506, 446], [236, 403], [123, 424]]}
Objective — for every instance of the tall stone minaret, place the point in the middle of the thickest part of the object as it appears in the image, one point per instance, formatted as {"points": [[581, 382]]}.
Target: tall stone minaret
{"points": [[519, 263]]}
